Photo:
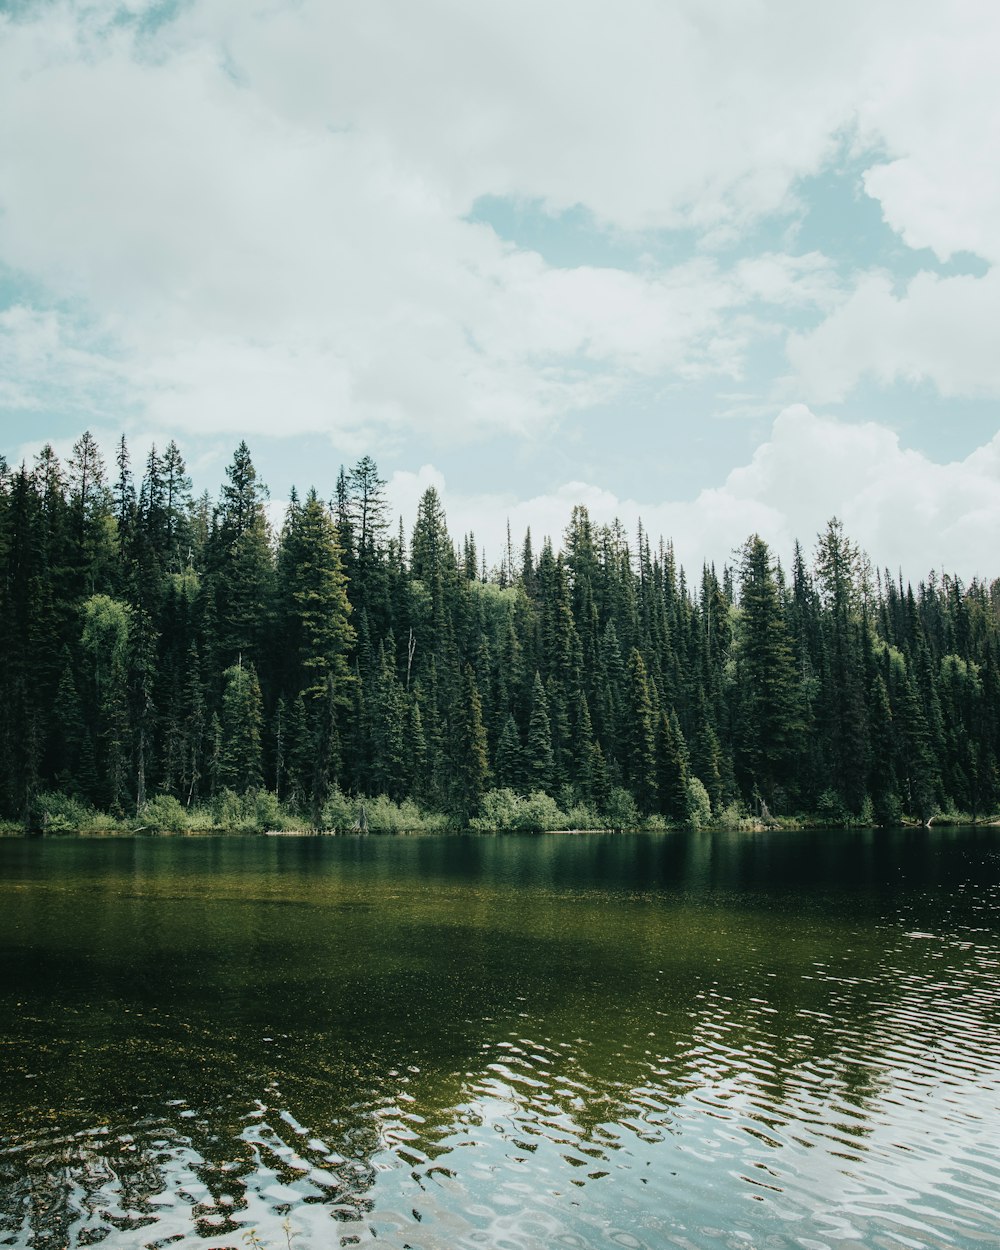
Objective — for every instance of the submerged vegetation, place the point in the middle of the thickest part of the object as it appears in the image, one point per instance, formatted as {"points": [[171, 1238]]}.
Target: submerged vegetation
{"points": [[172, 665]]}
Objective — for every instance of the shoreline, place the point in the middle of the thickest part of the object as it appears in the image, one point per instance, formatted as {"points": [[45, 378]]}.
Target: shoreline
{"points": [[803, 824]]}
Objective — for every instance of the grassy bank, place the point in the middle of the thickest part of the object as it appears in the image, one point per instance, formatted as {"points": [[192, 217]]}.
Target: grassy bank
{"points": [[54, 814]]}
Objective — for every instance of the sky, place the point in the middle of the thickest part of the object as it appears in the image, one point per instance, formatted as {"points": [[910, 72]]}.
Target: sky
{"points": [[725, 266]]}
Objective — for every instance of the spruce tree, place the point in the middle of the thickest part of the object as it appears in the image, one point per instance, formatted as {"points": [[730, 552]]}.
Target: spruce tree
{"points": [[316, 605], [639, 741], [769, 722], [241, 730], [240, 564], [671, 769], [472, 762], [539, 760], [508, 768]]}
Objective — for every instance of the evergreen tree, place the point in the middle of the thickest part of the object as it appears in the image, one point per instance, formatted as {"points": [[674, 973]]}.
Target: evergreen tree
{"points": [[769, 721], [241, 564], [539, 760], [240, 768], [671, 769], [153, 643], [387, 728], [472, 762], [315, 602], [508, 769], [639, 740]]}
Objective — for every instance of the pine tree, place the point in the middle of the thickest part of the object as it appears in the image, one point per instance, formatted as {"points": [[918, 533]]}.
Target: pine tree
{"points": [[387, 726], [240, 563], [539, 760], [672, 769], [508, 768], [105, 640], [416, 750], [639, 742], [472, 762], [769, 722], [315, 602], [193, 727], [241, 730]]}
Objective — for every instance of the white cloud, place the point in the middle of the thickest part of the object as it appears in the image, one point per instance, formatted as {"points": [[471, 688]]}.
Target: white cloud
{"points": [[941, 330], [256, 271], [935, 110], [651, 115], [937, 113], [48, 361], [263, 210], [904, 509]]}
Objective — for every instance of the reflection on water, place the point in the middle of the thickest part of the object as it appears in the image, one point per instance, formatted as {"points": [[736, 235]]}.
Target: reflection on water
{"points": [[680, 1040]]}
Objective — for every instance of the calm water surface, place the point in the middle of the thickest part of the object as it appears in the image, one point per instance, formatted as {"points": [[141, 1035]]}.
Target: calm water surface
{"points": [[697, 1041]]}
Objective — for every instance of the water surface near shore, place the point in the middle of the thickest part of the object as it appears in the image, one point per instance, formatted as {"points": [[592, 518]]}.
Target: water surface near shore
{"points": [[690, 1040]]}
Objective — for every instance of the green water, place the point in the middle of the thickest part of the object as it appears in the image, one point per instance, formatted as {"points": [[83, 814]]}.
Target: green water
{"points": [[699, 1041]]}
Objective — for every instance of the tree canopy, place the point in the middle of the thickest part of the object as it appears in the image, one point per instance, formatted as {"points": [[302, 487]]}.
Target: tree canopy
{"points": [[155, 643]]}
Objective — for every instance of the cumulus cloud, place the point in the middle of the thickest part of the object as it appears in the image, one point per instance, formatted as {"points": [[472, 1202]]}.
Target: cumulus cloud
{"points": [[937, 115], [905, 510], [258, 218], [262, 260], [940, 330]]}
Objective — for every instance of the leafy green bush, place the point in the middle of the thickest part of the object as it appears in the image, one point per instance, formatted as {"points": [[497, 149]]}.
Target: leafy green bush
{"points": [[235, 813], [539, 812], [271, 813], [620, 811], [339, 812], [497, 810], [535, 813], [699, 805], [583, 816], [164, 813], [734, 817], [831, 810], [257, 811], [52, 812], [385, 816]]}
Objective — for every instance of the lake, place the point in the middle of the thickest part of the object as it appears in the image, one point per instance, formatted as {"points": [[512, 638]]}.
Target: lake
{"points": [[703, 1041]]}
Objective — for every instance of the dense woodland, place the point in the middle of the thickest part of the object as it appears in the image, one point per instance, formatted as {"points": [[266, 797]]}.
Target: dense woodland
{"points": [[156, 644]]}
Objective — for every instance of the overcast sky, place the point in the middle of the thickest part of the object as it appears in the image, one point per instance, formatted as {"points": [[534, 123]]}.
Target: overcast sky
{"points": [[731, 267]]}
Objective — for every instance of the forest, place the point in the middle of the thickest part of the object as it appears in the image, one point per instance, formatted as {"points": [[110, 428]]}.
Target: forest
{"points": [[169, 660]]}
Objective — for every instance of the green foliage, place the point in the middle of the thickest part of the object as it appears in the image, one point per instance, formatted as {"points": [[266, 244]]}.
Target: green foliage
{"points": [[242, 718], [257, 812], [166, 660], [768, 717], [583, 816], [539, 812], [639, 740], [164, 814], [498, 810], [341, 814], [539, 767], [59, 813], [502, 810], [831, 810], [734, 818], [620, 811], [385, 816], [699, 806]]}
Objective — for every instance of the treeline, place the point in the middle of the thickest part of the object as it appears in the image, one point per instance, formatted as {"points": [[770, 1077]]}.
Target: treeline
{"points": [[155, 644]]}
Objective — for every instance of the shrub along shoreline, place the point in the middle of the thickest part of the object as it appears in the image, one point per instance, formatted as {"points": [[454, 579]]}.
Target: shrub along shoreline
{"points": [[500, 811]]}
